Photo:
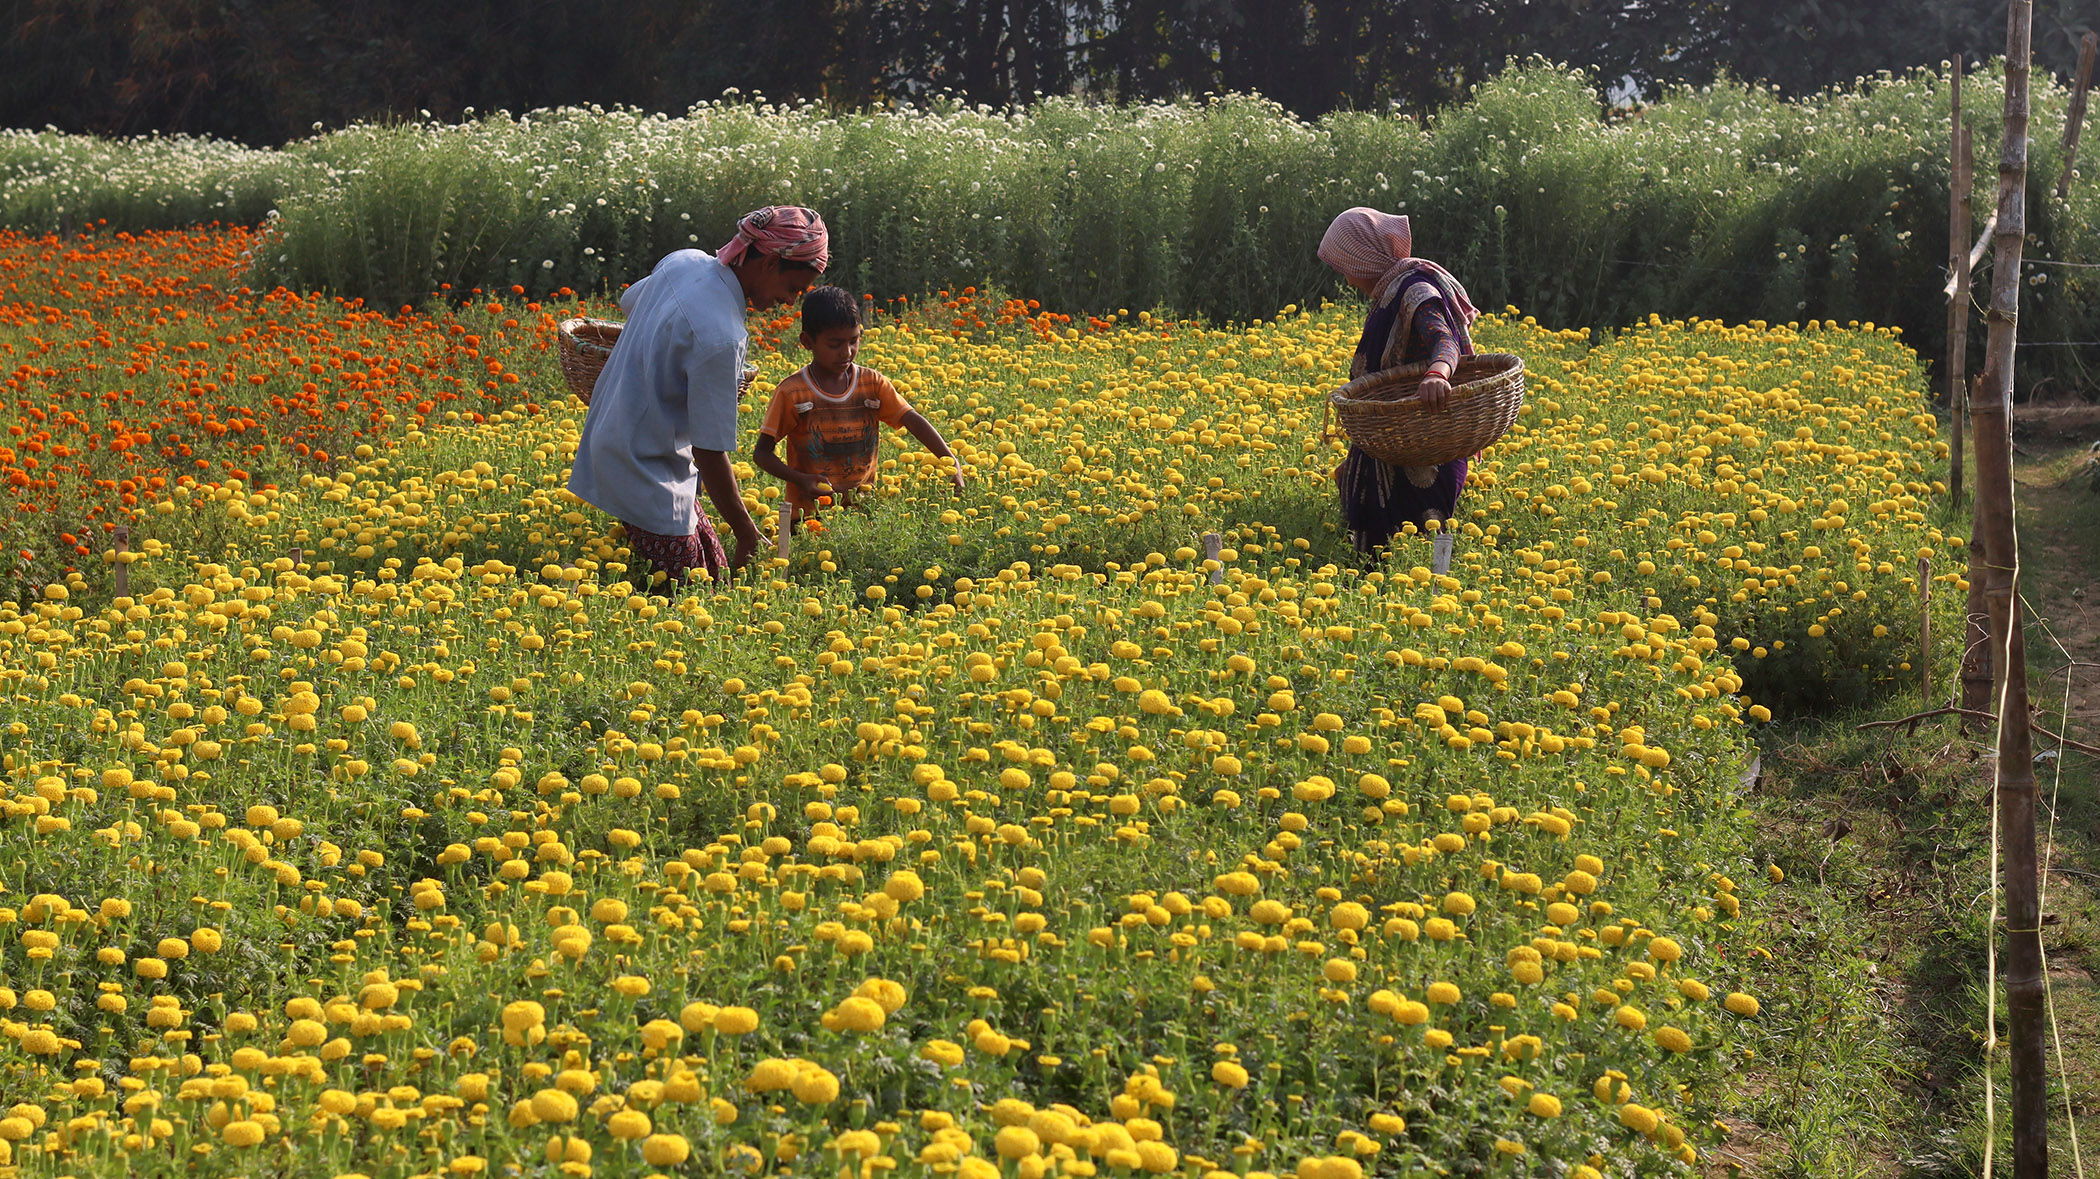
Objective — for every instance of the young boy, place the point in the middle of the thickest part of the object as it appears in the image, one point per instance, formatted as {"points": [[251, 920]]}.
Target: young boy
{"points": [[824, 418]]}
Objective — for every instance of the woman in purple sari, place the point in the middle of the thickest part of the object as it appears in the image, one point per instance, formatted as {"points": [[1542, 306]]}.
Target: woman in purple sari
{"points": [[1419, 314]]}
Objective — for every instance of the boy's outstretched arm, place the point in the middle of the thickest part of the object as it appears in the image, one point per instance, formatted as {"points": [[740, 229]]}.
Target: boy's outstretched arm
{"points": [[764, 458], [917, 426]]}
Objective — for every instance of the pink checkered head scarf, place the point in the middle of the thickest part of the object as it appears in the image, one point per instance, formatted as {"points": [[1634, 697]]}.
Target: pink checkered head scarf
{"points": [[1365, 245], [788, 232]]}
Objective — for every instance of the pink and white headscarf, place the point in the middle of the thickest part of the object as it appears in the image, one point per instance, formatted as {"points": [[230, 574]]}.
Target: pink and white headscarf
{"points": [[1365, 245], [788, 232]]}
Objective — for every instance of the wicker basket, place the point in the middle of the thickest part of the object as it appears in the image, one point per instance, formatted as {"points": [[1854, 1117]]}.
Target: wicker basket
{"points": [[1379, 411], [585, 343]]}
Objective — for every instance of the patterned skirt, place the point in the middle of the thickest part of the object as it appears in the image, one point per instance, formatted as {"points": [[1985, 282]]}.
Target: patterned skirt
{"points": [[1379, 500], [677, 556]]}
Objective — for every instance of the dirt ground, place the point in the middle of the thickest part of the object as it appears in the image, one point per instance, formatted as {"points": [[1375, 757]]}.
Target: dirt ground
{"points": [[1873, 1063]]}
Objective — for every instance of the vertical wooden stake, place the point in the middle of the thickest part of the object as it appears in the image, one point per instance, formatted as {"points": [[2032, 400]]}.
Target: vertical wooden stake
{"points": [[785, 530], [121, 580], [2075, 117], [1213, 544], [298, 557], [1925, 629], [1958, 217], [1991, 413]]}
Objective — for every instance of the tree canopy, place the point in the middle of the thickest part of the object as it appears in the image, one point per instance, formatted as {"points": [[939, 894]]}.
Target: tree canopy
{"points": [[264, 71]]}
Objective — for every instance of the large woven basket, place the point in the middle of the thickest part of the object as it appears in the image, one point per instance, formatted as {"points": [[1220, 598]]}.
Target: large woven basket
{"points": [[585, 344], [1380, 413]]}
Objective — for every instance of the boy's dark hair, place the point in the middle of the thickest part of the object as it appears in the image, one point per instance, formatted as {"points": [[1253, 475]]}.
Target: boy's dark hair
{"points": [[825, 308]]}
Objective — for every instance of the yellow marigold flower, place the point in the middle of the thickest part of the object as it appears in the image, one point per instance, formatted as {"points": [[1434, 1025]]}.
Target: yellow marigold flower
{"points": [[629, 1124], [1630, 1017], [1016, 1142], [1229, 1074], [1673, 1038], [771, 1075], [945, 1053], [888, 994], [736, 1021], [858, 1014], [1664, 949], [553, 1105], [859, 1143], [1638, 1118], [1157, 1157], [816, 1086], [1740, 1003], [1011, 1111], [242, 1133], [1442, 993]]}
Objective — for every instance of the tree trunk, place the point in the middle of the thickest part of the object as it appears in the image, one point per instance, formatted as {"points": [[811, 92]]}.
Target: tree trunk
{"points": [[1992, 418]]}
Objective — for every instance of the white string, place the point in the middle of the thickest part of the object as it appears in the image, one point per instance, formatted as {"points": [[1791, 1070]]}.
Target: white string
{"points": [[2042, 894], [1990, 989]]}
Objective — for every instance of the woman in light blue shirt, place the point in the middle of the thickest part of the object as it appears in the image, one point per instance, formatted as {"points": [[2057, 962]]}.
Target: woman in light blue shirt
{"points": [[663, 416]]}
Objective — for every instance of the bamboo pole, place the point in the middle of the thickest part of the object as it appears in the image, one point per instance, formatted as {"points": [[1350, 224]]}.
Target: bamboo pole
{"points": [[1991, 413], [1958, 216], [1925, 629], [2075, 118], [1976, 656]]}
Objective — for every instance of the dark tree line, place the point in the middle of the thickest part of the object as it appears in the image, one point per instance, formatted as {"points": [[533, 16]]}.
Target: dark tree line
{"points": [[264, 71]]}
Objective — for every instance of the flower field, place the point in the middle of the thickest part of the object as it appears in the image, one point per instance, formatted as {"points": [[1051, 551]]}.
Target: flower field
{"points": [[382, 826]]}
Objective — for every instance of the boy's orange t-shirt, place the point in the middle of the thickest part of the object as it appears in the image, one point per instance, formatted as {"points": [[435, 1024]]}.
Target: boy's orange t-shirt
{"points": [[832, 437]]}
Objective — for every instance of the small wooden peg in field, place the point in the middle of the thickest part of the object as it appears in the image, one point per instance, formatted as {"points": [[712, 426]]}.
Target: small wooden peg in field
{"points": [[1213, 544], [785, 530], [1925, 628], [121, 580], [298, 557]]}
